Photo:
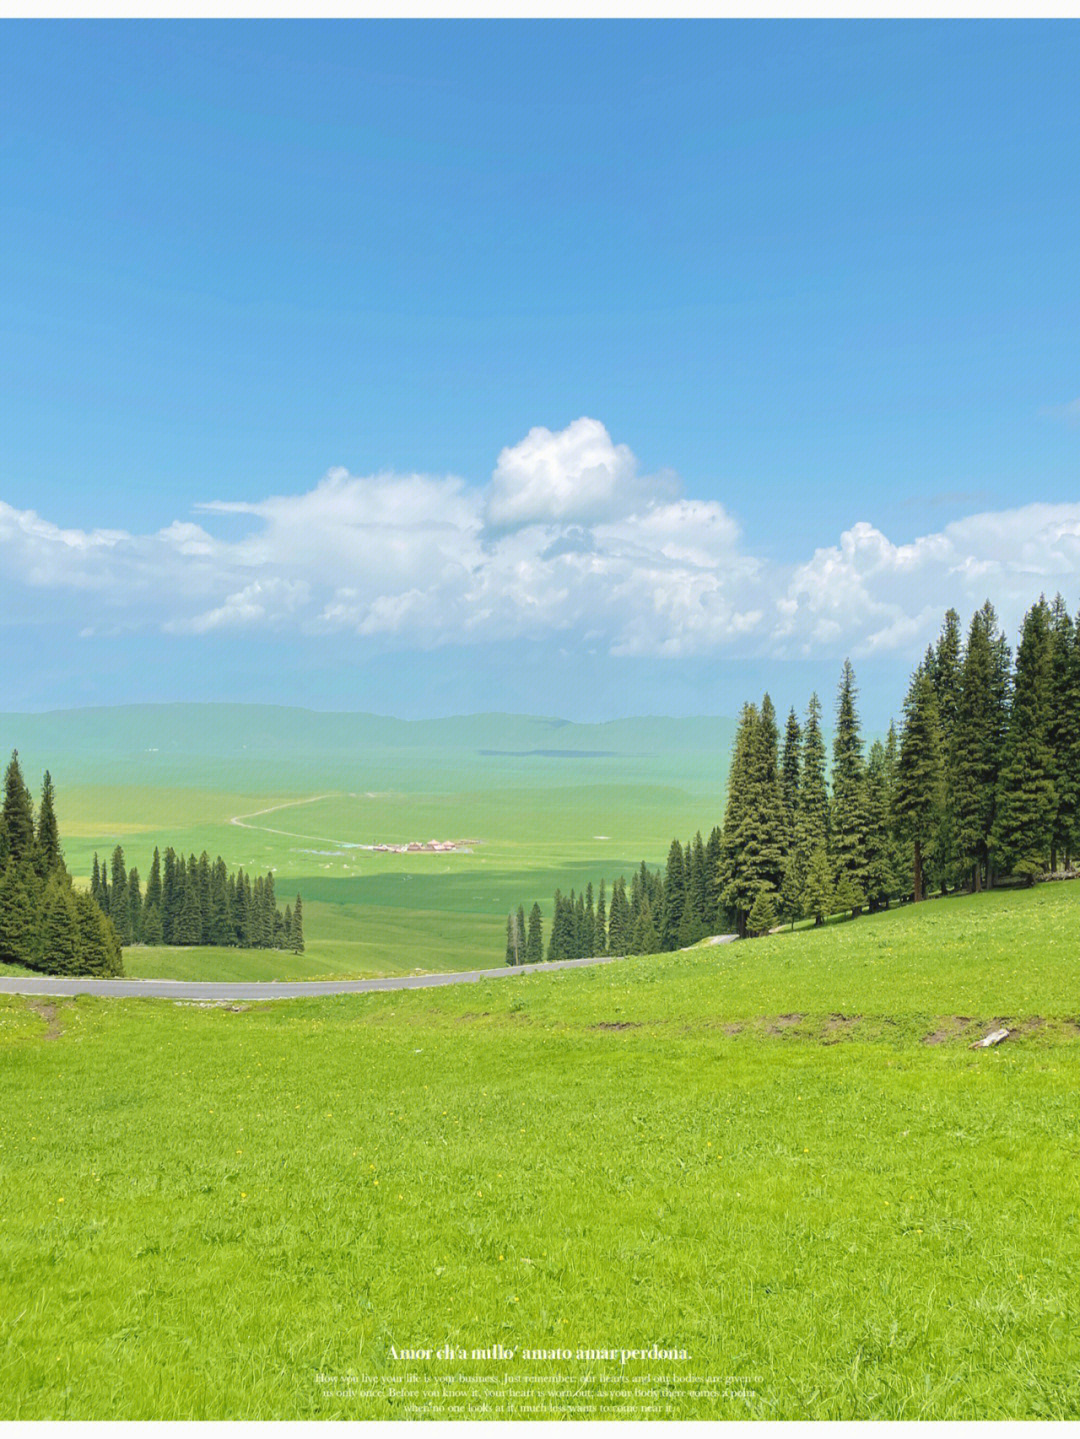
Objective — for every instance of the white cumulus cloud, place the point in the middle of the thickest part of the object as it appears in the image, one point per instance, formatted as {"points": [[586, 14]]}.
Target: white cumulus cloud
{"points": [[572, 474], [567, 539], [872, 595]]}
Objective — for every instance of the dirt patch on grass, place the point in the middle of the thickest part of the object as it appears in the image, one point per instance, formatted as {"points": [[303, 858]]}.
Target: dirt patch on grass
{"points": [[617, 1024], [782, 1022], [954, 1027], [838, 1027], [472, 1014], [731, 1030], [222, 1004], [48, 1014]]}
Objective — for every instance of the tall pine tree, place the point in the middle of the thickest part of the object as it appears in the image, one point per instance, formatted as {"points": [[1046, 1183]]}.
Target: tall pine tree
{"points": [[534, 945], [881, 879], [981, 719], [790, 770], [919, 795], [1064, 730], [811, 817], [674, 897], [172, 894], [619, 923], [947, 676], [588, 933], [754, 827], [644, 939], [17, 839], [134, 906], [513, 939], [187, 927], [848, 809], [1023, 830], [48, 832], [119, 898]]}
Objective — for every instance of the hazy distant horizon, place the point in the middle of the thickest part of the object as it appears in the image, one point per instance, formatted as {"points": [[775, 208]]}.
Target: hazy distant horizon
{"points": [[599, 692]]}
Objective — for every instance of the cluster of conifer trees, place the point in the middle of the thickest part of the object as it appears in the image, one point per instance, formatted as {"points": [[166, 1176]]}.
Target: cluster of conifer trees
{"points": [[194, 901], [45, 923], [982, 781], [656, 912]]}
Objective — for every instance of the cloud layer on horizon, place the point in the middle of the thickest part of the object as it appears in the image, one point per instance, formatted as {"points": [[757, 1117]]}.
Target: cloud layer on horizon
{"points": [[569, 539]]}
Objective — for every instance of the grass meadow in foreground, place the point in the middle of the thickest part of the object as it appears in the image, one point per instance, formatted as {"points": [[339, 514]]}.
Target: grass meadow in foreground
{"points": [[781, 1156]]}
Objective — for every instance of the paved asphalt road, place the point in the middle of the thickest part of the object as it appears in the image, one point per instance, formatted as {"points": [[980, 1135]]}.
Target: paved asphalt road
{"points": [[272, 988]]}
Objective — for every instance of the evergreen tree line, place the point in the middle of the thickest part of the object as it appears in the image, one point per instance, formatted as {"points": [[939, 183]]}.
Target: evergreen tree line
{"points": [[194, 901], [656, 912], [981, 782], [45, 923]]}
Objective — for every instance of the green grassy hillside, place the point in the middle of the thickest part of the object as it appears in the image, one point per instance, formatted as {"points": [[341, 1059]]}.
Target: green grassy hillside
{"points": [[780, 1156]]}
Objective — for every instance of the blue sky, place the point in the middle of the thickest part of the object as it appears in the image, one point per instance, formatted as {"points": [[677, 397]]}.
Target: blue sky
{"points": [[595, 369]]}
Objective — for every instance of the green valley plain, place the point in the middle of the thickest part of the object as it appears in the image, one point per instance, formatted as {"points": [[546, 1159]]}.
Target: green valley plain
{"points": [[548, 803]]}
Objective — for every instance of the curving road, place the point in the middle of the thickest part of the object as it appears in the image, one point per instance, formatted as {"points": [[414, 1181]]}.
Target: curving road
{"points": [[220, 991]]}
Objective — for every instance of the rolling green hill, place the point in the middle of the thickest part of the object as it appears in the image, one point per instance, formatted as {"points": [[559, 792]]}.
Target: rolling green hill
{"points": [[781, 1157]]}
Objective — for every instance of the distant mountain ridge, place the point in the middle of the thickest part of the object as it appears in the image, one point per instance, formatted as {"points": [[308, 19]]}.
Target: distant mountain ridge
{"points": [[229, 728], [152, 743]]}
